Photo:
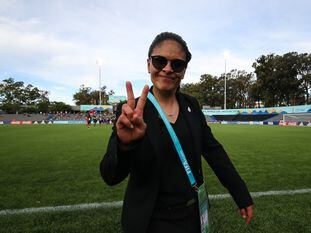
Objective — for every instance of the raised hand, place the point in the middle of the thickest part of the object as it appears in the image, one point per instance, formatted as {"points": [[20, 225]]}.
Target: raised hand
{"points": [[130, 125]]}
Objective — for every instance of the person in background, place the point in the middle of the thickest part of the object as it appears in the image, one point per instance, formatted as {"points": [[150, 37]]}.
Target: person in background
{"points": [[159, 196], [101, 120], [95, 118], [88, 119]]}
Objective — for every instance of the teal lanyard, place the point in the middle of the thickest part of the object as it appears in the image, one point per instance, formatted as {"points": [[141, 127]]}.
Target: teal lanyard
{"points": [[176, 142]]}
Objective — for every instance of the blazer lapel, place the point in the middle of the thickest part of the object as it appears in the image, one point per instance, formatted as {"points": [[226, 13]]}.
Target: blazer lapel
{"points": [[193, 124], [154, 129]]}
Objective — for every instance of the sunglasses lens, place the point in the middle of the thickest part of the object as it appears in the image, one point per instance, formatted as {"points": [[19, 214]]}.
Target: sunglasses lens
{"points": [[178, 65], [158, 62]]}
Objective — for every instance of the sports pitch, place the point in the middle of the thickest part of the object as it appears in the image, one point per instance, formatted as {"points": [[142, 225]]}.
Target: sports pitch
{"points": [[58, 165]]}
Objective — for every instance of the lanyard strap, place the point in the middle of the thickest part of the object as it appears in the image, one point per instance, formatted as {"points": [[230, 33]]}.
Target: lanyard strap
{"points": [[176, 142]]}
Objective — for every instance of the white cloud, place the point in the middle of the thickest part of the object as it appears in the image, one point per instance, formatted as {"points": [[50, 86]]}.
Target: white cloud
{"points": [[57, 43], [59, 88], [63, 61]]}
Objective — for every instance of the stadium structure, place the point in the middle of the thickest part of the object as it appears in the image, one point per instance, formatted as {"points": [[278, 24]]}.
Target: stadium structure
{"points": [[78, 117], [290, 115]]}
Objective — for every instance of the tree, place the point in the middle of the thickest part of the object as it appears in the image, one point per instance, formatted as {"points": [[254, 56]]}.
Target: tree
{"points": [[207, 91], [43, 106], [266, 82], [304, 71], [86, 95], [193, 90], [10, 91], [289, 84], [59, 107], [255, 94], [83, 96], [11, 107], [238, 88], [210, 90], [277, 79], [14, 95]]}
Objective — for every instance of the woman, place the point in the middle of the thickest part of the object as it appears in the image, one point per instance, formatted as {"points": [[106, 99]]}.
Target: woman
{"points": [[159, 196]]}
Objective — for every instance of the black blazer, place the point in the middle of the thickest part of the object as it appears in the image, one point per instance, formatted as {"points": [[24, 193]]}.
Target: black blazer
{"points": [[143, 162]]}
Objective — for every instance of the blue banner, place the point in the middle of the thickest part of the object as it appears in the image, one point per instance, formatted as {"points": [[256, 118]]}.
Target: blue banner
{"points": [[259, 111]]}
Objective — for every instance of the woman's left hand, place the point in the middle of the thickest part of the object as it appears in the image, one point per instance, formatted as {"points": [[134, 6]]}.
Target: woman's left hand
{"points": [[247, 213]]}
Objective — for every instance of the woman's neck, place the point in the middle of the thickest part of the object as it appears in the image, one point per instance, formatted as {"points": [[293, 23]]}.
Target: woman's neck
{"points": [[168, 103], [165, 98]]}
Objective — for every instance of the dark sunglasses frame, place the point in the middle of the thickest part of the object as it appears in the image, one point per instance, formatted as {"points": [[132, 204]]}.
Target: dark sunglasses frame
{"points": [[159, 62]]}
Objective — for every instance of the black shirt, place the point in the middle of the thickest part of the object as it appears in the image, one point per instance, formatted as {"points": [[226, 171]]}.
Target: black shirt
{"points": [[175, 187]]}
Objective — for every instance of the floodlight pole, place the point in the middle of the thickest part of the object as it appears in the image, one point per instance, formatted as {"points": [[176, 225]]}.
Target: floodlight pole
{"points": [[98, 62], [225, 93], [100, 86]]}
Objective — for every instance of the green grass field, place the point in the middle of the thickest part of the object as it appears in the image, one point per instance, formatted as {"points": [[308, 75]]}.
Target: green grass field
{"points": [[53, 165]]}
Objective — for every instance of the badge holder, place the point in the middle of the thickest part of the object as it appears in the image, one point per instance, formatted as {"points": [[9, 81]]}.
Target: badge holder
{"points": [[203, 207], [202, 194]]}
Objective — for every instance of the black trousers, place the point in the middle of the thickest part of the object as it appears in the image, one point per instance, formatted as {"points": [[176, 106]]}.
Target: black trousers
{"points": [[184, 219]]}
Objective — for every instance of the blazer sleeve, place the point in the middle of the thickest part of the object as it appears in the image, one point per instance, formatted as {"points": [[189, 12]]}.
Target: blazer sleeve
{"points": [[115, 166], [218, 160]]}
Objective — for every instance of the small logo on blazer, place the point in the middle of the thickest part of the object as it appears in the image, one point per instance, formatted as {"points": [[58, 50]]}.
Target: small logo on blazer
{"points": [[189, 109]]}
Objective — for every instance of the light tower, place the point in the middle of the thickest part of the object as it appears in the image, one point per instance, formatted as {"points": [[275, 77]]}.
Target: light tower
{"points": [[226, 56], [99, 64]]}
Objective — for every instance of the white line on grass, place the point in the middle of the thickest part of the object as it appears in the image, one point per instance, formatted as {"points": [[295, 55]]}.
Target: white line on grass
{"points": [[117, 204], [63, 208], [267, 193]]}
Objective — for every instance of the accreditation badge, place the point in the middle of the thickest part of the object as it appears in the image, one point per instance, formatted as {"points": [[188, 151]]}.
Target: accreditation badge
{"points": [[203, 207]]}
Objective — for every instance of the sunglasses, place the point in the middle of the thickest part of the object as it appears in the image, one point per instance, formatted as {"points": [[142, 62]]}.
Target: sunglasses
{"points": [[159, 62]]}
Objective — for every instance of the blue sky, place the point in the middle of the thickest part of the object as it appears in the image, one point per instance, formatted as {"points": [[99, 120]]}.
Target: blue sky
{"points": [[54, 44]]}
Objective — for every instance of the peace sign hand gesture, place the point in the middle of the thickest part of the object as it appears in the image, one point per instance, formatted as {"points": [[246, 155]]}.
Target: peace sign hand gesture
{"points": [[130, 125]]}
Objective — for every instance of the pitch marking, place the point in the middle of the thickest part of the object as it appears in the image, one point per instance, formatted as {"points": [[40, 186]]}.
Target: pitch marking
{"points": [[117, 204]]}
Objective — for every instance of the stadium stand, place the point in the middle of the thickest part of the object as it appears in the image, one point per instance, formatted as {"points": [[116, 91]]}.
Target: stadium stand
{"points": [[23, 117], [68, 117], [287, 115], [59, 118], [242, 117]]}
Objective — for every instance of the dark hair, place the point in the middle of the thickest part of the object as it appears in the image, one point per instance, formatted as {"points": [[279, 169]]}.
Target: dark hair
{"points": [[170, 36]]}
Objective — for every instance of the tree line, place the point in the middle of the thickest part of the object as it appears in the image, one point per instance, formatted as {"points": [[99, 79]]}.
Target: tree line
{"points": [[278, 80], [17, 97], [86, 95]]}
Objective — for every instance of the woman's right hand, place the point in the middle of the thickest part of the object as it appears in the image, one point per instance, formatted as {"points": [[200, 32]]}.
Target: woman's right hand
{"points": [[130, 124]]}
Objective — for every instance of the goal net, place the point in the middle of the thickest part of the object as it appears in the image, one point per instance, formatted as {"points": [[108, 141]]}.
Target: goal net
{"points": [[297, 117]]}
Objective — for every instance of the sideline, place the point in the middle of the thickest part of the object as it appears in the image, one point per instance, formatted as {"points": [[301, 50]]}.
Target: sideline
{"points": [[117, 204]]}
